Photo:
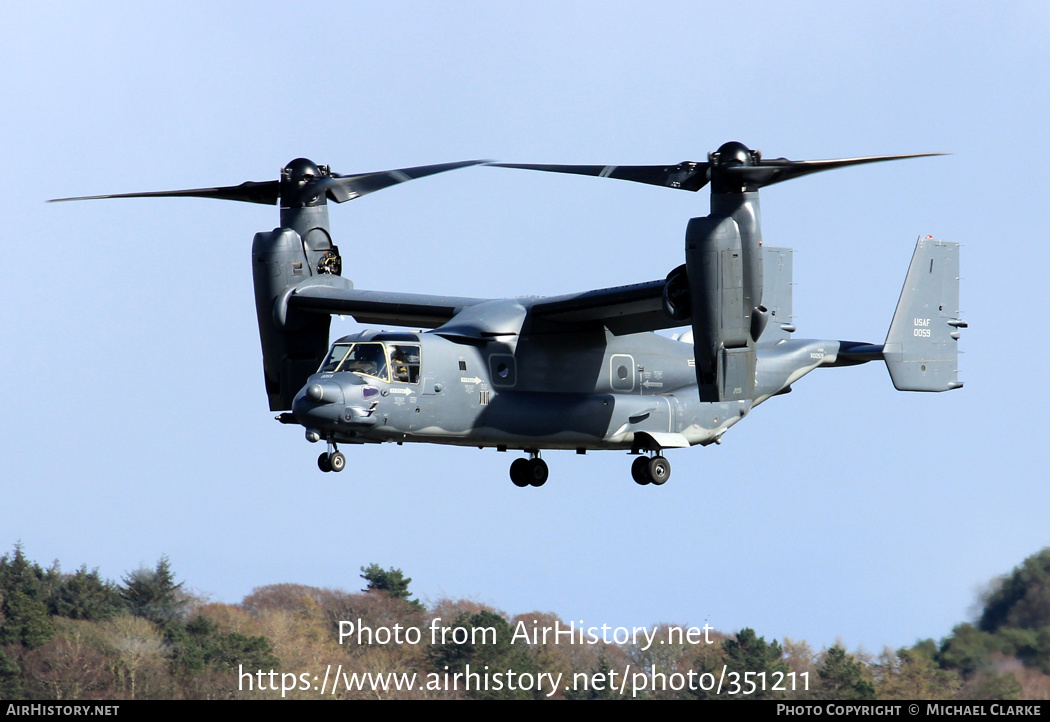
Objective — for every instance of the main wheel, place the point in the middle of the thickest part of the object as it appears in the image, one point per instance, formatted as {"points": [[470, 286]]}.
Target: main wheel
{"points": [[338, 461], [537, 471], [659, 470], [640, 470], [518, 472], [322, 462]]}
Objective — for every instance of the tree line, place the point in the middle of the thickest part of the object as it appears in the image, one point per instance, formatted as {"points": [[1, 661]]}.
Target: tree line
{"points": [[77, 636]]}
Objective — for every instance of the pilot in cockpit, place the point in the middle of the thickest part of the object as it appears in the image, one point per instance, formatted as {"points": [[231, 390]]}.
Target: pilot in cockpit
{"points": [[368, 359], [400, 362]]}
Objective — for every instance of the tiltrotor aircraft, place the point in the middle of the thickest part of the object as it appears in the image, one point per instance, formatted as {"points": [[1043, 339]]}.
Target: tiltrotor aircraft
{"points": [[582, 371]]}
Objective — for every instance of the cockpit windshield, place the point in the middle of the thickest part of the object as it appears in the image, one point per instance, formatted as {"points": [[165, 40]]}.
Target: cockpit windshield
{"points": [[335, 357], [373, 359]]}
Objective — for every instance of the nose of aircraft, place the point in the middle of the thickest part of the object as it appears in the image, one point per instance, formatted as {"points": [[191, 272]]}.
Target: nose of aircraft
{"points": [[318, 403], [325, 393], [325, 402]]}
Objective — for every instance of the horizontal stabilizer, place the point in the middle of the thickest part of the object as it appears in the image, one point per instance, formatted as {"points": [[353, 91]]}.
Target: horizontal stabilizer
{"points": [[921, 350]]}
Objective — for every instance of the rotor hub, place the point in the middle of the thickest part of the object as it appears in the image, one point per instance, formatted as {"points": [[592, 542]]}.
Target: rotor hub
{"points": [[733, 153], [300, 170], [722, 163], [295, 179]]}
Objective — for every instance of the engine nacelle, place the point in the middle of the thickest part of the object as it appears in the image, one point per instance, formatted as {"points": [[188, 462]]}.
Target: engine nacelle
{"points": [[723, 260], [293, 349]]}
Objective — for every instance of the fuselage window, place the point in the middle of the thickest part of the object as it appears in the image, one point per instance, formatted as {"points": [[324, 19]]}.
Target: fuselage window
{"points": [[404, 363], [368, 359], [335, 357]]}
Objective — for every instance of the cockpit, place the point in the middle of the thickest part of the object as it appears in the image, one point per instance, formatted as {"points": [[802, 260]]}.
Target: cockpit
{"points": [[386, 361]]}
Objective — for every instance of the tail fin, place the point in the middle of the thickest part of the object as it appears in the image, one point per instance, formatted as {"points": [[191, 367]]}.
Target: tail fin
{"points": [[776, 293], [921, 346]]}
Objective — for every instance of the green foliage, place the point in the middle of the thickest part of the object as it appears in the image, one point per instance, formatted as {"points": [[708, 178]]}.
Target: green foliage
{"points": [[748, 652], [745, 654], [67, 636], [843, 677], [26, 621], [494, 650], [17, 572], [11, 687], [23, 614], [200, 644], [83, 595], [926, 647], [1021, 599], [153, 594], [1015, 622], [600, 671], [968, 649], [912, 674], [390, 581], [1042, 640], [1030, 646], [994, 685]]}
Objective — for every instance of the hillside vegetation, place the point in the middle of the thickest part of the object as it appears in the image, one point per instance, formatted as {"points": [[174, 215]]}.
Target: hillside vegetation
{"points": [[76, 636]]}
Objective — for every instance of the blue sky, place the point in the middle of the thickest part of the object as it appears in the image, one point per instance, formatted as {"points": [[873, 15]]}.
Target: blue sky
{"points": [[135, 420]]}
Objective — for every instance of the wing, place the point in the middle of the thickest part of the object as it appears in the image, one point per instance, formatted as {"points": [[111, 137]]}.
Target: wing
{"points": [[621, 309], [639, 307], [635, 308], [336, 295]]}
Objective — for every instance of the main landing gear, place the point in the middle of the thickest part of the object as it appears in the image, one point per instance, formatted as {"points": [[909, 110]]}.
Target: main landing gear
{"points": [[331, 460], [529, 472], [655, 470], [651, 470]]}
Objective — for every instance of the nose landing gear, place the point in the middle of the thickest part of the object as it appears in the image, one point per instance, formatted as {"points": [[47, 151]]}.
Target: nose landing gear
{"points": [[529, 472], [331, 460]]}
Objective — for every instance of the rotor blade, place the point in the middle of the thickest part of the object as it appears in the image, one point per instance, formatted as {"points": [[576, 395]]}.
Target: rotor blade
{"points": [[265, 192], [775, 170], [687, 175], [345, 188]]}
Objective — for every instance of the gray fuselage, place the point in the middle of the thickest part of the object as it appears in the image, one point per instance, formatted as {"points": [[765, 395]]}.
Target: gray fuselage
{"points": [[542, 391]]}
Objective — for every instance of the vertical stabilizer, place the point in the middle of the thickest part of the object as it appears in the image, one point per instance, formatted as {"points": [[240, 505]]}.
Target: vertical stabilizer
{"points": [[776, 294], [921, 346]]}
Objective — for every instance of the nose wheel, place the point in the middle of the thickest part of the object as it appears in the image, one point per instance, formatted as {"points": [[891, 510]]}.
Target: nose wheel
{"points": [[529, 472], [651, 470], [331, 460]]}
